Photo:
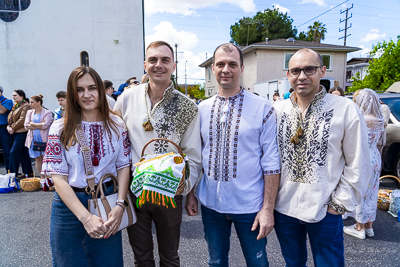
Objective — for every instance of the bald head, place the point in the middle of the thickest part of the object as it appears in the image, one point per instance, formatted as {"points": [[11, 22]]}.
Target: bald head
{"points": [[317, 55]]}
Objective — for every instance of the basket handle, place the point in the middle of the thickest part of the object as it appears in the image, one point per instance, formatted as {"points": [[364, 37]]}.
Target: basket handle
{"points": [[163, 139], [390, 176]]}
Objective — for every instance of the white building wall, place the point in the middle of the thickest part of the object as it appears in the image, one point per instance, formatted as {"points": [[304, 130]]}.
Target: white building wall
{"points": [[39, 50]]}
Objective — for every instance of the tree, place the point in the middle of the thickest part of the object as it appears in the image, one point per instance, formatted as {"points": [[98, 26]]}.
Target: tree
{"points": [[270, 24], [196, 91], [304, 37], [382, 71], [317, 31]]}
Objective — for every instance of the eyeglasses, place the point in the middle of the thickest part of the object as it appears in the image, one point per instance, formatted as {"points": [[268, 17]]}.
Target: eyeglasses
{"points": [[135, 82], [309, 70]]}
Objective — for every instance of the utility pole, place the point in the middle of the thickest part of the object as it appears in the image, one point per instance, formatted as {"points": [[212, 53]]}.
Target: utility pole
{"points": [[185, 79], [345, 23], [176, 66], [248, 22]]}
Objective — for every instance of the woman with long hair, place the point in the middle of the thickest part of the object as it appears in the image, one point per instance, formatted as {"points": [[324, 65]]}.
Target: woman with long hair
{"points": [[78, 238], [19, 153], [365, 213], [37, 122]]}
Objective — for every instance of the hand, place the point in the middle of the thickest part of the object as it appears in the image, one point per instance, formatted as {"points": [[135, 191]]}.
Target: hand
{"points": [[94, 226], [191, 204], [30, 127], [10, 130], [332, 211], [264, 219], [114, 220]]}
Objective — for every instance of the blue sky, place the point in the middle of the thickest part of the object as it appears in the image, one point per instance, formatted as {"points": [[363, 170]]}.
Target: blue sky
{"points": [[199, 26]]}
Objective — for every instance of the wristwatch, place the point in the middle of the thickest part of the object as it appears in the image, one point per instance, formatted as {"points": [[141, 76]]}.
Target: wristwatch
{"points": [[123, 202]]}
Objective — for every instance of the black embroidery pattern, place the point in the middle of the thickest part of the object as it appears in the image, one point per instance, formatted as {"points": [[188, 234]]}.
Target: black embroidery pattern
{"points": [[172, 118], [223, 137], [300, 162]]}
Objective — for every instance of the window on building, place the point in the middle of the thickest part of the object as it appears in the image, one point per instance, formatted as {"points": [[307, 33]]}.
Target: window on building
{"points": [[287, 57], [209, 74], [9, 9], [84, 59], [326, 59]]}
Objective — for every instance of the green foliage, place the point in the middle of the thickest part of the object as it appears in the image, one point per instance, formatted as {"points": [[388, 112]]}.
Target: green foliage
{"points": [[304, 37], [270, 24], [316, 32], [382, 71], [194, 91]]}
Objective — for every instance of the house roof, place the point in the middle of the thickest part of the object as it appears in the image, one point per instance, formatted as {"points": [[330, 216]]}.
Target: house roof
{"points": [[289, 44], [359, 60]]}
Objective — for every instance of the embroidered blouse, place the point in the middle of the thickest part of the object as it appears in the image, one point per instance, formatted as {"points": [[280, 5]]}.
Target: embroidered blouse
{"points": [[107, 157], [239, 148], [331, 161]]}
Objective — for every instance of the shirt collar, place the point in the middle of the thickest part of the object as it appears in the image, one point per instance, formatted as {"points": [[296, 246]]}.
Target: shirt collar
{"points": [[241, 93]]}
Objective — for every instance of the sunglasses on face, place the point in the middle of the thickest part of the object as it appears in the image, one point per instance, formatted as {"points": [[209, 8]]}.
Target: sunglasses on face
{"points": [[309, 70]]}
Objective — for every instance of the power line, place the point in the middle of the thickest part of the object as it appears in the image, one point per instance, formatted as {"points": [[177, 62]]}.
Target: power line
{"points": [[322, 13]]}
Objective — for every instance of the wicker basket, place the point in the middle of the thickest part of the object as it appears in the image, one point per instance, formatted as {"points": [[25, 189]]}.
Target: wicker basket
{"points": [[30, 184], [384, 199]]}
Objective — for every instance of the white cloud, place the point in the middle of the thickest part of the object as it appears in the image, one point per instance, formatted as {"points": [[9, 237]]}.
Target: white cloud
{"points": [[364, 51], [281, 8], [373, 35], [165, 31], [189, 7], [318, 2], [187, 41]]}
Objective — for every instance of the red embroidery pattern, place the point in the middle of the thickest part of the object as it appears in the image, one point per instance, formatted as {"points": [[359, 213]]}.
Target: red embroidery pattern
{"points": [[97, 147], [53, 150], [126, 143]]}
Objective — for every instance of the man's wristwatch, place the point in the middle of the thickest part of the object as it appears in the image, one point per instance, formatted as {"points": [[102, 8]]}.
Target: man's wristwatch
{"points": [[123, 202]]}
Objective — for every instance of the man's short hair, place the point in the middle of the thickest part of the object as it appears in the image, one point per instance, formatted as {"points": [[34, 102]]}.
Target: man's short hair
{"points": [[107, 84], [1, 89], [156, 44], [276, 94], [227, 48], [321, 63], [61, 94]]}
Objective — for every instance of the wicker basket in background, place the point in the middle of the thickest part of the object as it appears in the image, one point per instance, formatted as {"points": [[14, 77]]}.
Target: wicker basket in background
{"points": [[30, 184]]}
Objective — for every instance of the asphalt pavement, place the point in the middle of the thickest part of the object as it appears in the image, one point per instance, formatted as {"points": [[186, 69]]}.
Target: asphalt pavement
{"points": [[25, 223]]}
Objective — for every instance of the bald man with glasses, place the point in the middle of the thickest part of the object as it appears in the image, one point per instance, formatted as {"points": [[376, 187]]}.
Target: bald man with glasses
{"points": [[323, 146]]}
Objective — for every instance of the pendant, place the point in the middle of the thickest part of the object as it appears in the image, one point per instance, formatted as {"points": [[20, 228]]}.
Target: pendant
{"points": [[147, 126], [296, 138]]}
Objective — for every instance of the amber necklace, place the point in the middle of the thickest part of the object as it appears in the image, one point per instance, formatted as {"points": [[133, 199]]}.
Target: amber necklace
{"points": [[147, 124], [299, 132]]}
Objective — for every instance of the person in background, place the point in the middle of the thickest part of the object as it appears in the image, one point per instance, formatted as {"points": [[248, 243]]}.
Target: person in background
{"points": [[109, 91], [19, 152], [145, 78], [132, 82], [5, 138], [37, 122], [60, 111], [78, 238], [336, 91], [365, 213], [276, 97]]}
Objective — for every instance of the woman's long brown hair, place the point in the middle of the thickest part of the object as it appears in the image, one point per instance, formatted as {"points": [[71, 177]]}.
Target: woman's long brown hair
{"points": [[73, 111]]}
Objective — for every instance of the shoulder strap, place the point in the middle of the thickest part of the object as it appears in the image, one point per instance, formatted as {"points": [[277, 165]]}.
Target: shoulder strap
{"points": [[87, 160], [3, 100]]}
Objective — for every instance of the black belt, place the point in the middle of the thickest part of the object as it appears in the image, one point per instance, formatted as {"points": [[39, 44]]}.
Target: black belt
{"points": [[84, 189], [3, 126]]}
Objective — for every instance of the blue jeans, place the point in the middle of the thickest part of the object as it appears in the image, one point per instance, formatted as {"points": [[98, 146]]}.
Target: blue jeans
{"points": [[217, 232], [72, 246], [20, 153], [326, 240], [6, 142]]}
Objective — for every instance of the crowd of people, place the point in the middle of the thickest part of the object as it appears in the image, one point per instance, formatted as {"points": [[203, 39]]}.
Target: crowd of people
{"points": [[296, 166]]}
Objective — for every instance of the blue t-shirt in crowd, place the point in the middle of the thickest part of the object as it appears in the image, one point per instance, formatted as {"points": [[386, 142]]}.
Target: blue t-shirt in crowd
{"points": [[8, 104]]}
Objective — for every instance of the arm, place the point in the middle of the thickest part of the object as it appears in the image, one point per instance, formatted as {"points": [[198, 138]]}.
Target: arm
{"points": [[27, 121], [115, 216], [191, 146], [265, 217], [357, 167], [19, 123], [94, 225]]}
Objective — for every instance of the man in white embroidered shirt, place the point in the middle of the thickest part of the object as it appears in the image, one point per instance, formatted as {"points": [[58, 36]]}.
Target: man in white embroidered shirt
{"points": [[157, 110], [241, 165], [323, 147]]}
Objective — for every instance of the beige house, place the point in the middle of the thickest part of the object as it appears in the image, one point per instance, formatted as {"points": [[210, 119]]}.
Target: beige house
{"points": [[268, 60]]}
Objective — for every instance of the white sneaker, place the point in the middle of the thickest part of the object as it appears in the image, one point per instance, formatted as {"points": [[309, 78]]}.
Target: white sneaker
{"points": [[369, 232], [351, 230]]}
